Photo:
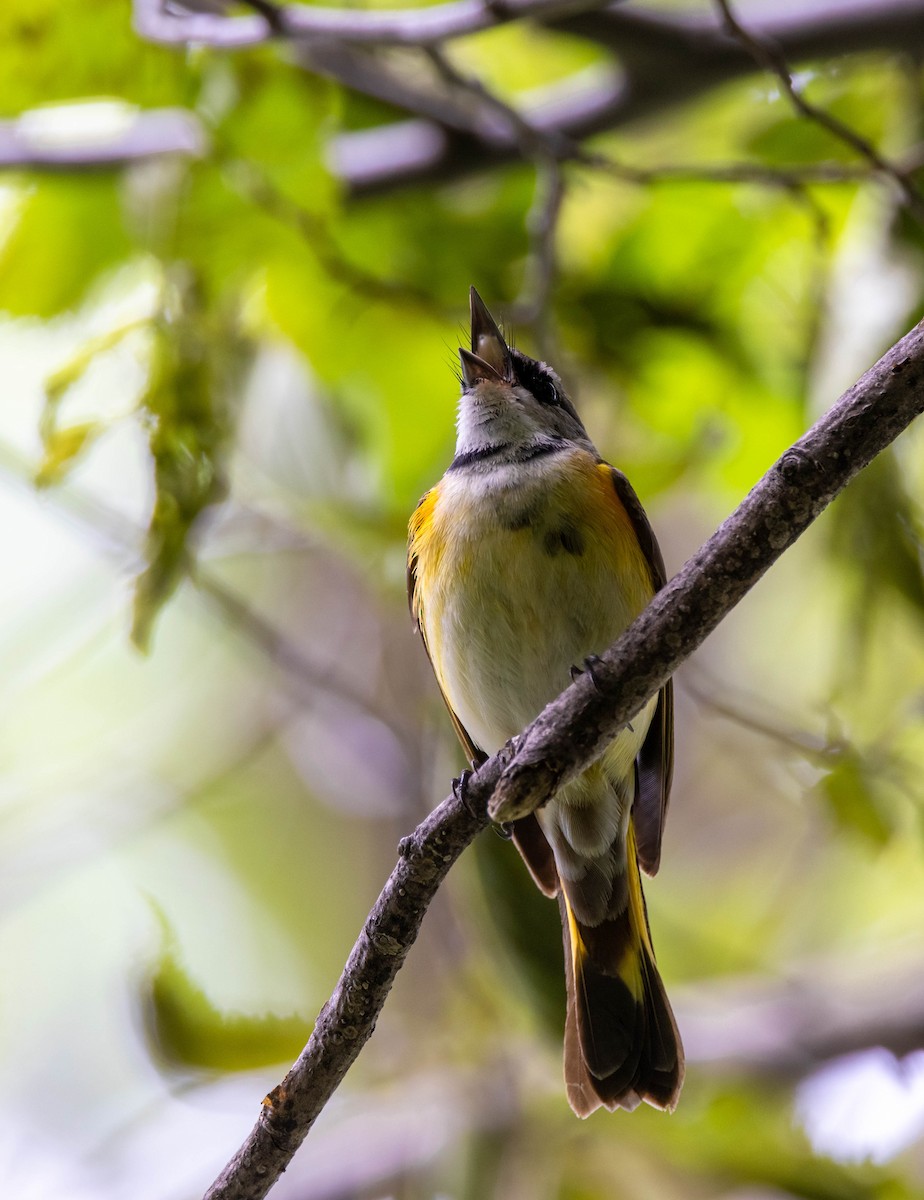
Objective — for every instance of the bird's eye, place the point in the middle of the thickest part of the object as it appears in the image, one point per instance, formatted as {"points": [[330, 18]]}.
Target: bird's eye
{"points": [[545, 390], [531, 375]]}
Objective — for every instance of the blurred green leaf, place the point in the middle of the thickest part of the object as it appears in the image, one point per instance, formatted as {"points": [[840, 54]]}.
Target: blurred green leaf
{"points": [[794, 140], [296, 106], [69, 229], [47, 53], [399, 397], [853, 797], [186, 1030]]}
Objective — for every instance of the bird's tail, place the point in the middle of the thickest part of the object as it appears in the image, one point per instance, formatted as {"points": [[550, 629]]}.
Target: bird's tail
{"points": [[621, 1040]]}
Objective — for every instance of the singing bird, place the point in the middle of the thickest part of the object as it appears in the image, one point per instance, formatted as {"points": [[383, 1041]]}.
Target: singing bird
{"points": [[530, 556]]}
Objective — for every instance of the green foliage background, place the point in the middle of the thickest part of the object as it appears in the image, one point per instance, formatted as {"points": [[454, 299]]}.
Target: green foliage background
{"points": [[225, 385]]}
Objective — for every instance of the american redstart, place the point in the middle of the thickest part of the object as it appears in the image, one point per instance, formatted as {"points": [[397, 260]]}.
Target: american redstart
{"points": [[529, 556]]}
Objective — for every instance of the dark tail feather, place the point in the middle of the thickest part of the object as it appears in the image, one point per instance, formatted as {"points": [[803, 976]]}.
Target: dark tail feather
{"points": [[621, 1040]]}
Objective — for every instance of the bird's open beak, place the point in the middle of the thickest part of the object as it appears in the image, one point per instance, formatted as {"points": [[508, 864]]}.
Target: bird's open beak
{"points": [[489, 358]]}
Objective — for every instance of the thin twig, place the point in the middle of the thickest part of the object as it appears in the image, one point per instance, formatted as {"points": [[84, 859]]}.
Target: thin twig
{"points": [[372, 73], [119, 538], [817, 288], [733, 173], [533, 141], [309, 678], [740, 711], [548, 149], [533, 307], [572, 731], [770, 58]]}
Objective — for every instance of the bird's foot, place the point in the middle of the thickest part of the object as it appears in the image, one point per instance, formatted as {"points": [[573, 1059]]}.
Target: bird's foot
{"points": [[592, 664], [460, 791]]}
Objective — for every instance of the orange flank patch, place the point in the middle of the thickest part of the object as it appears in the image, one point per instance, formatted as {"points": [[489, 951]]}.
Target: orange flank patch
{"points": [[426, 547], [421, 528], [618, 531]]}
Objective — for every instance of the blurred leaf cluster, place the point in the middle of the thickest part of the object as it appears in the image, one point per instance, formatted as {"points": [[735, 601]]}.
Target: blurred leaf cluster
{"points": [[231, 380]]}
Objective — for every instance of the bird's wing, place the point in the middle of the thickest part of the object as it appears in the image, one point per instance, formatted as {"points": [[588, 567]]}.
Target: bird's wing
{"points": [[527, 834], [655, 763]]}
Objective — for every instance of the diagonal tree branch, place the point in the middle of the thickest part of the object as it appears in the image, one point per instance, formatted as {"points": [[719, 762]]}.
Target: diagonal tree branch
{"points": [[572, 731]]}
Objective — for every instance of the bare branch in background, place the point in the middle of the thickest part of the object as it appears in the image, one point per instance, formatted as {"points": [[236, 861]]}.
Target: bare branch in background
{"points": [[743, 711], [547, 151], [787, 1027], [572, 731], [32, 140], [664, 59], [273, 14], [534, 143], [533, 306], [787, 178], [766, 55], [816, 301], [803, 29], [374, 74], [299, 22]]}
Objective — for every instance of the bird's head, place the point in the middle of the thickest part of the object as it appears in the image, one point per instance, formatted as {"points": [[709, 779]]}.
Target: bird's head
{"points": [[509, 399]]}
